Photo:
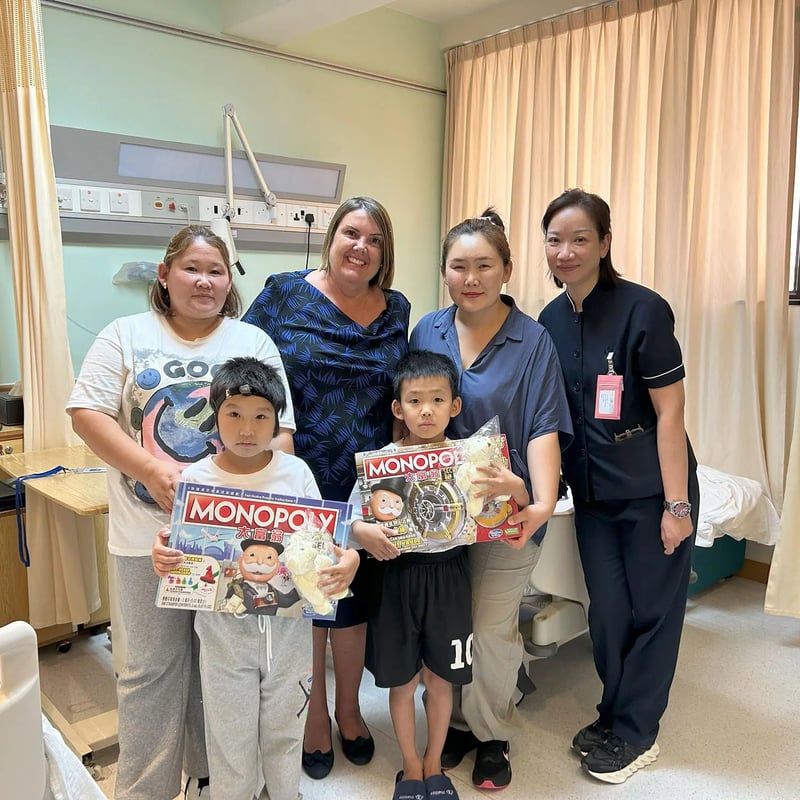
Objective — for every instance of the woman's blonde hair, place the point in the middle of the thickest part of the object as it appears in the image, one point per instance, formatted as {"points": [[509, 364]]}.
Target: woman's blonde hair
{"points": [[159, 296], [380, 216]]}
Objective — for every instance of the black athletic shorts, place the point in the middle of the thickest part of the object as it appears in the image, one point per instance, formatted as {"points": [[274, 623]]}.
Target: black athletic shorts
{"points": [[421, 615]]}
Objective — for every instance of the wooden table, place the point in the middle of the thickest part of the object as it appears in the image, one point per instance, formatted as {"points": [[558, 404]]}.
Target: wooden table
{"points": [[86, 494]]}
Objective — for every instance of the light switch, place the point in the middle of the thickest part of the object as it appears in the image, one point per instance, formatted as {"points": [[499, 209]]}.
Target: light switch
{"points": [[66, 202]]}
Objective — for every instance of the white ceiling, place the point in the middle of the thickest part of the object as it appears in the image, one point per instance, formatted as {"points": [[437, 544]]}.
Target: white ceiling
{"points": [[276, 22], [441, 11]]}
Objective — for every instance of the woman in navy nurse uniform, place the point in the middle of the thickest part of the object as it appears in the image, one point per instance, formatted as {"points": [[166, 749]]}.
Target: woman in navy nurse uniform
{"points": [[633, 478]]}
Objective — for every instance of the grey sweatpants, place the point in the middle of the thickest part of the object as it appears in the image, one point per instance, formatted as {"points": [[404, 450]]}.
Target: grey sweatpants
{"points": [[159, 699], [254, 672], [499, 575]]}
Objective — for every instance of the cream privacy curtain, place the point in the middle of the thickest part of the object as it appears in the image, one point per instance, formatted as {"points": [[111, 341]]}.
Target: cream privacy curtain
{"points": [[679, 114], [62, 579], [783, 587]]}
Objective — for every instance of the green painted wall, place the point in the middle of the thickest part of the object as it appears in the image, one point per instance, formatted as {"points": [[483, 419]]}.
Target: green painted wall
{"points": [[157, 85], [9, 359], [380, 41]]}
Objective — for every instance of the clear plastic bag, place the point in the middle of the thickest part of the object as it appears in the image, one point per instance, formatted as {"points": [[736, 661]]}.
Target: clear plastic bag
{"points": [[134, 272], [479, 451], [309, 550]]}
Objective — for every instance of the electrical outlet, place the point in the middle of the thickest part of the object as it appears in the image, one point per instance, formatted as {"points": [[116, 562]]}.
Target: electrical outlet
{"points": [[280, 214], [90, 199], [210, 207], [325, 217], [296, 215], [315, 214], [243, 210], [261, 214], [119, 202], [293, 218]]}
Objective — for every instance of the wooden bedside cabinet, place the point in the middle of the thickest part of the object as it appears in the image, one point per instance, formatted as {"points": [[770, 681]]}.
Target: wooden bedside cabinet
{"points": [[11, 440]]}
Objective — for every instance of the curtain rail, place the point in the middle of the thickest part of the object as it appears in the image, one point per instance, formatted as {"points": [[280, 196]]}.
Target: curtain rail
{"points": [[548, 18]]}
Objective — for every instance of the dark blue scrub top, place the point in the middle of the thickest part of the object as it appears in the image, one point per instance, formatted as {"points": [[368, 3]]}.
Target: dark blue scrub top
{"points": [[638, 326]]}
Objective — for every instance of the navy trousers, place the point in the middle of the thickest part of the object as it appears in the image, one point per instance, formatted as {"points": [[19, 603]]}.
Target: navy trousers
{"points": [[637, 603]]}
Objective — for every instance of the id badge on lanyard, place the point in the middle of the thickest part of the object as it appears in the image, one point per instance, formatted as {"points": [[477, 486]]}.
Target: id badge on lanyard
{"points": [[608, 398]]}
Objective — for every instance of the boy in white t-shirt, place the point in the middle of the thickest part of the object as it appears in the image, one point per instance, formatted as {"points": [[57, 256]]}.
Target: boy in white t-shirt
{"points": [[252, 668]]}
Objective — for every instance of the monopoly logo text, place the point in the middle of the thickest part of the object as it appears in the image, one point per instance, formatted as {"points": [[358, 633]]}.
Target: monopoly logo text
{"points": [[395, 464], [225, 512]]}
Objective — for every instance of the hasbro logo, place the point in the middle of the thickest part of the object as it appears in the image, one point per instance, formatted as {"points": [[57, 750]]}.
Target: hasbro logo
{"points": [[495, 534]]}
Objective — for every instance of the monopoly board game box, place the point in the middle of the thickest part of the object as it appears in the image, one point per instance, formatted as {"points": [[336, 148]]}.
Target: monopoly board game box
{"points": [[249, 552], [425, 493]]}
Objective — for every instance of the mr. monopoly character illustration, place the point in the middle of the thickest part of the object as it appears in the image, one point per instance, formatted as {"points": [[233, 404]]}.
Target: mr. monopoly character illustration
{"points": [[389, 499], [263, 585]]}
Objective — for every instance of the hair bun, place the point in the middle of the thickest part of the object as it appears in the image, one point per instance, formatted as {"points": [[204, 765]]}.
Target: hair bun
{"points": [[492, 216]]}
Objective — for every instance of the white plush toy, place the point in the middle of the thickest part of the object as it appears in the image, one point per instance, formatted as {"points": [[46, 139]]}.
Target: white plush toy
{"points": [[479, 451], [309, 550]]}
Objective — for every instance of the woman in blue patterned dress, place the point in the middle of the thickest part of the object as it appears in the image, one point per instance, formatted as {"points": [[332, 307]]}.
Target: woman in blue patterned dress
{"points": [[340, 331]]}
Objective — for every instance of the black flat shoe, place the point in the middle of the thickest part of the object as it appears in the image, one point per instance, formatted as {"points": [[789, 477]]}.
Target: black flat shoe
{"points": [[317, 765], [360, 750], [456, 745]]}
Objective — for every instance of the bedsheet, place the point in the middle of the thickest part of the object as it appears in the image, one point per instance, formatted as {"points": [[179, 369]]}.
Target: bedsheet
{"points": [[736, 506], [67, 778]]}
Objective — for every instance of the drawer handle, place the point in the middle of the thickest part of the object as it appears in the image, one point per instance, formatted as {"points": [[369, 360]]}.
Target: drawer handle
{"points": [[8, 449]]}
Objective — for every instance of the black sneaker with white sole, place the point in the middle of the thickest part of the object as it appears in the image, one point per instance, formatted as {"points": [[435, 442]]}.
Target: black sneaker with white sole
{"points": [[586, 739], [614, 761], [457, 744], [492, 765]]}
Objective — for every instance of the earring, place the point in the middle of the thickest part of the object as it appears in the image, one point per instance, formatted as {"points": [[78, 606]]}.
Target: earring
{"points": [[163, 284]]}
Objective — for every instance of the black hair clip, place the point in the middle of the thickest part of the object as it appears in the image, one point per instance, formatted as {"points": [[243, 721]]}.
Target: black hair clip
{"points": [[245, 388]]}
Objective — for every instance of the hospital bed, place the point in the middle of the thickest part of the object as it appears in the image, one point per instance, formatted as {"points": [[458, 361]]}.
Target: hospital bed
{"points": [[732, 509], [555, 606], [35, 763]]}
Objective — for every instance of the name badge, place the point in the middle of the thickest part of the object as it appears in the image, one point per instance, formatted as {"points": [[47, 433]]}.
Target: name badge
{"points": [[608, 400]]}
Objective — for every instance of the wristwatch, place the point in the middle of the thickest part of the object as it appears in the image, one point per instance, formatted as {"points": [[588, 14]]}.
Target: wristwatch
{"points": [[678, 508]]}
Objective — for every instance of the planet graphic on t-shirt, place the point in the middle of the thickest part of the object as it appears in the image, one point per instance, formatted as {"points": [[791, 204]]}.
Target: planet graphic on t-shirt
{"points": [[178, 426]]}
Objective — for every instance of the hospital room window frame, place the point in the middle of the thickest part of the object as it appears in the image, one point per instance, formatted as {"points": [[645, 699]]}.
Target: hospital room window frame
{"points": [[794, 241]]}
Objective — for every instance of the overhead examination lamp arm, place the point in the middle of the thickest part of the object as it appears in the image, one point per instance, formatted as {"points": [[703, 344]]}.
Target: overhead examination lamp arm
{"points": [[222, 225], [229, 116]]}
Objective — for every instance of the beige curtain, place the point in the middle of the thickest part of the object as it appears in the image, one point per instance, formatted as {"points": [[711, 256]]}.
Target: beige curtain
{"points": [[783, 587], [679, 114], [62, 579]]}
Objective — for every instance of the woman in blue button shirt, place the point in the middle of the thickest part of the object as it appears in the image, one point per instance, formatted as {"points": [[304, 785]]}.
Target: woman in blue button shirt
{"points": [[633, 478], [507, 367]]}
